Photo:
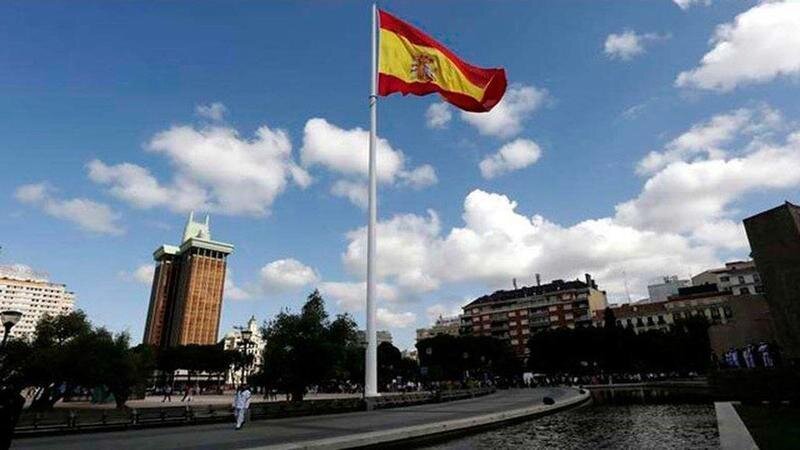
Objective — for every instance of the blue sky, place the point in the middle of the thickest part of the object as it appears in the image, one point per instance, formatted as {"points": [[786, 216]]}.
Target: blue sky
{"points": [[109, 135]]}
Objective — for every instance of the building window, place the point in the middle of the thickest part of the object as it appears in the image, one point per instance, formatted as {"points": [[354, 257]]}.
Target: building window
{"points": [[741, 279], [639, 322], [512, 314], [650, 322], [552, 308], [568, 317], [744, 291], [660, 319], [724, 279], [553, 318], [514, 342], [512, 324], [728, 311]]}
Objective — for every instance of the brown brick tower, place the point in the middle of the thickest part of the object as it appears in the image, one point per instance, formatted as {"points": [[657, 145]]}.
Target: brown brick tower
{"points": [[774, 237], [186, 297]]}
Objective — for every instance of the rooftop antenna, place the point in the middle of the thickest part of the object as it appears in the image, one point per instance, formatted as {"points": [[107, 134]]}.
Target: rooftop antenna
{"points": [[514, 282]]}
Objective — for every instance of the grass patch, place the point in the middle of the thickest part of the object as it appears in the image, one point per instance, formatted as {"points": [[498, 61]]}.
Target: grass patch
{"points": [[772, 427]]}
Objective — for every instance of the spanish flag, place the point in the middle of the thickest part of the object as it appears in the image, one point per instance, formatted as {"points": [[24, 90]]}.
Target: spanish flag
{"points": [[410, 62]]}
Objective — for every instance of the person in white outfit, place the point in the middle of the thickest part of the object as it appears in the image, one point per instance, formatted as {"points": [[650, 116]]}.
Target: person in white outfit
{"points": [[241, 401]]}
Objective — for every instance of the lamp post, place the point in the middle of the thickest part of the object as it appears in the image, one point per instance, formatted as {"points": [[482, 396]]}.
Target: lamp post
{"points": [[247, 335], [9, 319]]}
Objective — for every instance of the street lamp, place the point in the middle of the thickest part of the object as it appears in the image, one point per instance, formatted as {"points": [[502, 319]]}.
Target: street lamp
{"points": [[246, 335], [9, 319]]}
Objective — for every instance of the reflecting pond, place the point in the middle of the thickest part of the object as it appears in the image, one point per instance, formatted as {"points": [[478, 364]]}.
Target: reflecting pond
{"points": [[640, 419]]}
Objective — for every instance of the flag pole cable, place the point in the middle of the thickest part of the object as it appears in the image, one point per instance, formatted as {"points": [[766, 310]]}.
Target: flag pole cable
{"points": [[371, 372]]}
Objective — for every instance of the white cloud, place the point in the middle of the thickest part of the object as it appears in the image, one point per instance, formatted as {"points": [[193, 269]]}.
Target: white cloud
{"points": [[437, 310], [352, 296], [628, 44], [706, 139], [438, 115], [346, 153], [86, 214], [506, 118], [684, 216], [760, 44], [144, 273], [215, 170], [514, 155], [420, 177], [391, 319], [355, 191], [725, 234], [686, 4], [232, 291], [286, 275], [213, 111], [497, 244]]}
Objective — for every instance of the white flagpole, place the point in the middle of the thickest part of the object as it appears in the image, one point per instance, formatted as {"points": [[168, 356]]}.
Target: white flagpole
{"points": [[371, 372]]}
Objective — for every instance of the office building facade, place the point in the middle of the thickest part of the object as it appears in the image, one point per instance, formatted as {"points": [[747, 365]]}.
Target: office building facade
{"points": [[187, 291]]}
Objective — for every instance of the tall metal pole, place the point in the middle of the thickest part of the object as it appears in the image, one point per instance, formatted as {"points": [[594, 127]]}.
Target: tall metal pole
{"points": [[371, 372]]}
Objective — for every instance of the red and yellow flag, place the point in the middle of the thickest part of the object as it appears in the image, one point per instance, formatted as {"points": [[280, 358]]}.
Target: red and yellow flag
{"points": [[410, 62]]}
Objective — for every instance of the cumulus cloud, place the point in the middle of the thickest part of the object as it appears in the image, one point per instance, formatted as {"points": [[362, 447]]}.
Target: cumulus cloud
{"points": [[215, 170], [346, 153], [705, 138], [286, 275], [686, 4], [355, 191], [391, 319], [628, 44], [437, 310], [87, 214], [506, 119], [213, 111], [684, 216], [352, 296], [512, 156], [420, 177], [232, 291], [761, 44], [438, 115], [143, 274]]}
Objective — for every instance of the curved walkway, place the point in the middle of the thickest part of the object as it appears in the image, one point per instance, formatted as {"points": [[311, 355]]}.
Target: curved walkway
{"points": [[331, 431]]}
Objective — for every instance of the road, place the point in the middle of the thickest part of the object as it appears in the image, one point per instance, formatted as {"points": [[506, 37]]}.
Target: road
{"points": [[292, 430]]}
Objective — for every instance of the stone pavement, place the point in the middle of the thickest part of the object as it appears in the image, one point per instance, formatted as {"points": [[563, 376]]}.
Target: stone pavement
{"points": [[285, 432]]}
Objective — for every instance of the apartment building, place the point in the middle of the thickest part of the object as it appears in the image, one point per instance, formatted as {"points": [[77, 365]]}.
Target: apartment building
{"points": [[30, 292], [516, 314]]}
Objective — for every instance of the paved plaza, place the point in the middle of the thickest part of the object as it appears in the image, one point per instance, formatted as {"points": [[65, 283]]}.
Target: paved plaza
{"points": [[299, 429]]}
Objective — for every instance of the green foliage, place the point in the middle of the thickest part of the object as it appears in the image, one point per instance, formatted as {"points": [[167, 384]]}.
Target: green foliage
{"points": [[69, 353], [307, 348], [446, 357], [684, 348]]}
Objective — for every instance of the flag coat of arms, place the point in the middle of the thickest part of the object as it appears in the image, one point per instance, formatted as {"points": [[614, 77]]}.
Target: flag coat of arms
{"points": [[411, 62]]}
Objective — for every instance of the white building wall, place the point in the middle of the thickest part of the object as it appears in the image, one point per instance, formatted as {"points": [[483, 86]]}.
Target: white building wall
{"points": [[22, 291]]}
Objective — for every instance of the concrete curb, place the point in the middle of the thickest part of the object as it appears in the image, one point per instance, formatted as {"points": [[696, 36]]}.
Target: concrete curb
{"points": [[398, 435], [733, 434]]}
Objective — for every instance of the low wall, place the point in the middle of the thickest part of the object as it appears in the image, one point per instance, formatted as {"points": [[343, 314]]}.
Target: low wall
{"points": [[61, 421]]}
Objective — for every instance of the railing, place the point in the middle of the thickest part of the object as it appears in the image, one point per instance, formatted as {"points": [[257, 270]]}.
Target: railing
{"points": [[61, 421]]}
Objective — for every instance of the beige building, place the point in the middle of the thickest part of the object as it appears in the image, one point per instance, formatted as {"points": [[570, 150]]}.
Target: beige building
{"points": [[29, 292], [186, 296], [739, 277], [233, 341], [444, 325], [639, 317]]}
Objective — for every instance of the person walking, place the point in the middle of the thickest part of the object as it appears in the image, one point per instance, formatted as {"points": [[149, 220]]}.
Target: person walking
{"points": [[167, 394], [241, 402]]}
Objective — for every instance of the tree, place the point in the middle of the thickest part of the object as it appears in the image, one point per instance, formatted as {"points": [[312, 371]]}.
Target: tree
{"points": [[69, 354], [306, 348]]}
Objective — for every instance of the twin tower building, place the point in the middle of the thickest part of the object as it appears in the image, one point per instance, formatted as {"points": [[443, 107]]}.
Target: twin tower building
{"points": [[188, 283]]}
